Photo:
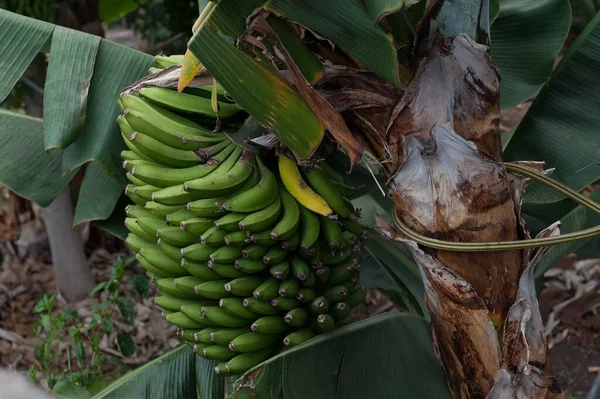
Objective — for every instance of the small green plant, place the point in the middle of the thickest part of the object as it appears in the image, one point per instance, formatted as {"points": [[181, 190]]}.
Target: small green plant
{"points": [[65, 334]]}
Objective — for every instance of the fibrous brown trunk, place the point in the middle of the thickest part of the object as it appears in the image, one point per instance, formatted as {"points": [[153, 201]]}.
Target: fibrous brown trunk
{"points": [[447, 182]]}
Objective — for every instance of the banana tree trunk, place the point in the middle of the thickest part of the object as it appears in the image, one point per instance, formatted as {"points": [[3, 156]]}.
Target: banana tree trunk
{"points": [[448, 183]]}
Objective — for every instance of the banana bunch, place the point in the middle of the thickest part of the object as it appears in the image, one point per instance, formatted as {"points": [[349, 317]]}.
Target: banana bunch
{"points": [[250, 255]]}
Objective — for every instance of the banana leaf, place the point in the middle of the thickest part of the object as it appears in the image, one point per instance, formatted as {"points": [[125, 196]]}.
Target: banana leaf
{"points": [[561, 127], [526, 37], [25, 167], [378, 9], [98, 195], [385, 356]]}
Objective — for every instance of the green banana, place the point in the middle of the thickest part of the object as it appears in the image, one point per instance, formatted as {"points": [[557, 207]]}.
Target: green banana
{"points": [[226, 270], [292, 244], [161, 210], [329, 259], [166, 286], [214, 289], [296, 317], [243, 286], [145, 191], [187, 103], [175, 236], [289, 287], [252, 341], [210, 186], [311, 281], [161, 153], [270, 325], [249, 266], [263, 238], [351, 283], [172, 129], [224, 336], [274, 255], [336, 294], [158, 259], [194, 312], [200, 270], [352, 225], [260, 307], [285, 304], [128, 155], [217, 352], [342, 272], [258, 196], [135, 181], [162, 176], [300, 268], [182, 321], [356, 297], [288, 224], [310, 228], [136, 211], [175, 218], [267, 290], [230, 222], [341, 311], [188, 335], [237, 239], [319, 305], [135, 198], [236, 306], [157, 270], [322, 185], [188, 284], [306, 295], [345, 190], [151, 224], [136, 243], [197, 252], [213, 236], [254, 251], [204, 334], [331, 232], [323, 274], [280, 270], [196, 226], [244, 362], [226, 254], [164, 62], [222, 318], [298, 337], [324, 323], [262, 219], [331, 173], [172, 303]]}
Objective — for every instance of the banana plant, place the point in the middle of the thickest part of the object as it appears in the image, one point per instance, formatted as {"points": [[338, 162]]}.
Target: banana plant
{"points": [[410, 93]]}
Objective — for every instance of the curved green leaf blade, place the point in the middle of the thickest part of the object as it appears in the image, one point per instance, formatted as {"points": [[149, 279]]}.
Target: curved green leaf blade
{"points": [[72, 57], [111, 10], [21, 38], [256, 87], [115, 223], [171, 375], [98, 195], [578, 219], [209, 384], [25, 167], [561, 127], [116, 67], [526, 37], [348, 25], [378, 9], [386, 356]]}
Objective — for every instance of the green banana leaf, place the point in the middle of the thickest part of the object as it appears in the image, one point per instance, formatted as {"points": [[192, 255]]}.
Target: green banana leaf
{"points": [[561, 127], [387, 356], [25, 167], [72, 57], [526, 37], [578, 219], [389, 267], [116, 67], [115, 223], [256, 86], [378, 9], [208, 384], [98, 195], [20, 40], [111, 10], [365, 41], [171, 375]]}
